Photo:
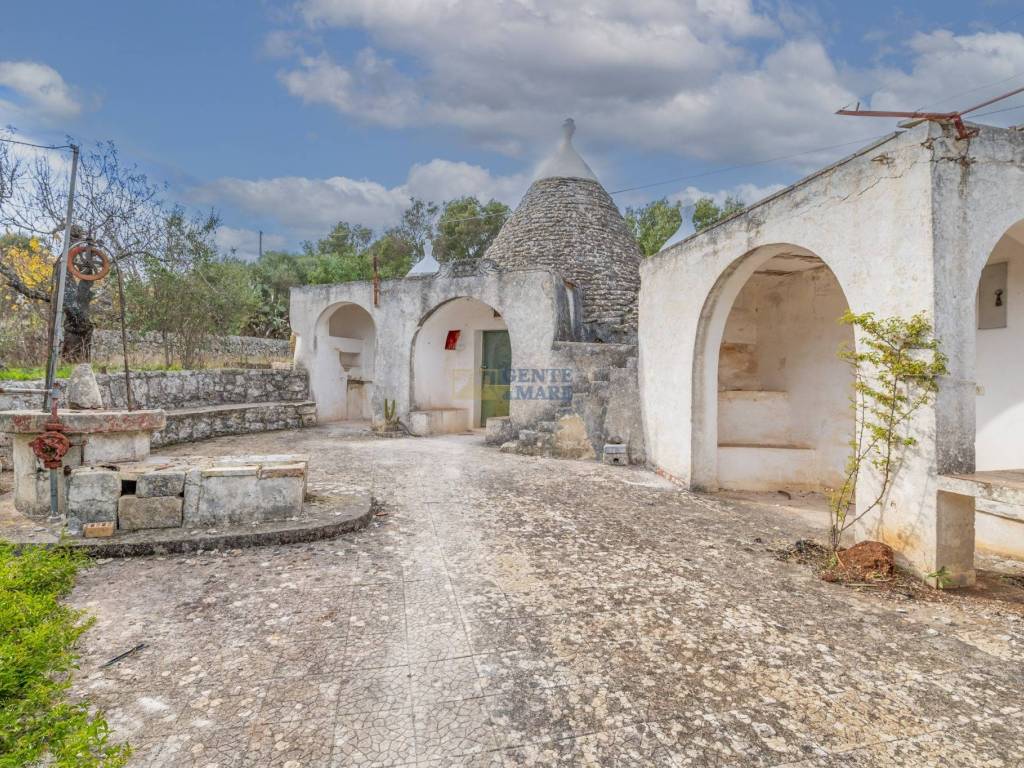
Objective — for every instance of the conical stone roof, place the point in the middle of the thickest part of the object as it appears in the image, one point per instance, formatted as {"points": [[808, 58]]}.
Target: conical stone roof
{"points": [[569, 223]]}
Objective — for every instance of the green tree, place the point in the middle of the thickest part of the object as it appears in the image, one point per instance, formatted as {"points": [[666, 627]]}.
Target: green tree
{"points": [[897, 366], [466, 228], [191, 294], [273, 275], [706, 212], [654, 223]]}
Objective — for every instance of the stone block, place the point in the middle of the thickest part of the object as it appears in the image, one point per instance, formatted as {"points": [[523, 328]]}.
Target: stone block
{"points": [[82, 390], [134, 513], [616, 454], [499, 430], [224, 498], [190, 506], [98, 530], [92, 496], [111, 447], [164, 482]]}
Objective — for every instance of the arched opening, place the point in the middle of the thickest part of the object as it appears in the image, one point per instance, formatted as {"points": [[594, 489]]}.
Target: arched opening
{"points": [[344, 375], [776, 413], [461, 361], [999, 382]]}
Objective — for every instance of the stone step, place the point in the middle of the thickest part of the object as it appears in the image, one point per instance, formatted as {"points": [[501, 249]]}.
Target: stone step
{"points": [[546, 426]]}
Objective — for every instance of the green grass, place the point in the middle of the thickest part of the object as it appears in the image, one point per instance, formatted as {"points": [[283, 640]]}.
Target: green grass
{"points": [[30, 374], [64, 371], [38, 724]]}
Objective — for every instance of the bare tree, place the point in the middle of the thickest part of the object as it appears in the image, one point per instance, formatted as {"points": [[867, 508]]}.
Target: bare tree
{"points": [[116, 206]]}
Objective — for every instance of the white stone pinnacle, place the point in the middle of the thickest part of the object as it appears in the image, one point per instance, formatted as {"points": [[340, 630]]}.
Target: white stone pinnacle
{"points": [[566, 161]]}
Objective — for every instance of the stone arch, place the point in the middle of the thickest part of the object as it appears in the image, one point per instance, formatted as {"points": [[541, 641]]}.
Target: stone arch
{"points": [[342, 381], [447, 387], [767, 336], [998, 373]]}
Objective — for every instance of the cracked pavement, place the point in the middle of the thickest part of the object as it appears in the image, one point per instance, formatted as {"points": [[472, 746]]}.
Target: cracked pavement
{"points": [[511, 611]]}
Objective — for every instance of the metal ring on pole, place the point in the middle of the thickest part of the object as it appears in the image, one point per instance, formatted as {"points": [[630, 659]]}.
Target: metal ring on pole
{"points": [[88, 248]]}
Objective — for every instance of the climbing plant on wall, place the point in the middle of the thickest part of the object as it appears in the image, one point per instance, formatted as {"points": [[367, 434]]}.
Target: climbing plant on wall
{"points": [[896, 365]]}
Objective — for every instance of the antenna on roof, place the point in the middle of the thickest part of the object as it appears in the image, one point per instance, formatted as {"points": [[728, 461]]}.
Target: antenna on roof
{"points": [[914, 118]]}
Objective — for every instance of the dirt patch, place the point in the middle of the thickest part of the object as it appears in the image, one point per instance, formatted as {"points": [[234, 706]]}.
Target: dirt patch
{"points": [[868, 561]]}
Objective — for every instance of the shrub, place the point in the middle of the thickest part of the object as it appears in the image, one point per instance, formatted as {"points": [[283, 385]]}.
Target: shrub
{"points": [[38, 724]]}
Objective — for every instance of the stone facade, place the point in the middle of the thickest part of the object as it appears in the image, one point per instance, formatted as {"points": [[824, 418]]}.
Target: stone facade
{"points": [[572, 226], [149, 348]]}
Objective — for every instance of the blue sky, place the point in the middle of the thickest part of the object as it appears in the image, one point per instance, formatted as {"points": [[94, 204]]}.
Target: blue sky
{"points": [[289, 116]]}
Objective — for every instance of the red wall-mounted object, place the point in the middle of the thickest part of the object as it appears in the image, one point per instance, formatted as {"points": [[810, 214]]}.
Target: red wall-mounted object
{"points": [[452, 339]]}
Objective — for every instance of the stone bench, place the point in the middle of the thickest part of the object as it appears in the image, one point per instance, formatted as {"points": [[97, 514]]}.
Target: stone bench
{"points": [[438, 421], [185, 425]]}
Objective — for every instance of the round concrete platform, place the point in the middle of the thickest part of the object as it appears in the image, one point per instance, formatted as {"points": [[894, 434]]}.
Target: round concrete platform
{"points": [[323, 517]]}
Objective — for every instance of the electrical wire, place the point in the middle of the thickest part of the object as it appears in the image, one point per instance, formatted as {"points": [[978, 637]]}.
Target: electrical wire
{"points": [[37, 146]]}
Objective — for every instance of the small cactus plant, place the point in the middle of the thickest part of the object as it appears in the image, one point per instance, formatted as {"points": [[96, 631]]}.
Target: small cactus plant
{"points": [[390, 412]]}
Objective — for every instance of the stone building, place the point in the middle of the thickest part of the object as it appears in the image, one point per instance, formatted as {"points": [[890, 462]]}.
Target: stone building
{"points": [[535, 341], [569, 223], [740, 383]]}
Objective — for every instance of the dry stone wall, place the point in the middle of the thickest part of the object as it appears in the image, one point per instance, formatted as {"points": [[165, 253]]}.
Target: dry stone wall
{"points": [[199, 404], [149, 348]]}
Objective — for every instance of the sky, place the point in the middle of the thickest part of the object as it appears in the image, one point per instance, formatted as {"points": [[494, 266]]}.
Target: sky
{"points": [[288, 117]]}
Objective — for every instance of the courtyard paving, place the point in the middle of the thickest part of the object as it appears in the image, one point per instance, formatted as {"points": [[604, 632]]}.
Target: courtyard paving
{"points": [[506, 611]]}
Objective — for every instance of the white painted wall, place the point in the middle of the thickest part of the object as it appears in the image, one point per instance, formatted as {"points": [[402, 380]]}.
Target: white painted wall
{"points": [[999, 371], [999, 378], [342, 378], [451, 378], [787, 329]]}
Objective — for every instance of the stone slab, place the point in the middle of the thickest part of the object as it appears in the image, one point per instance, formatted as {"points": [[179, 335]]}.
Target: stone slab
{"points": [[115, 447], [136, 514], [84, 422]]}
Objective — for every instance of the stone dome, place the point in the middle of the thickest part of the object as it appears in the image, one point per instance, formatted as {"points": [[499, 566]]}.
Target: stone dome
{"points": [[569, 223]]}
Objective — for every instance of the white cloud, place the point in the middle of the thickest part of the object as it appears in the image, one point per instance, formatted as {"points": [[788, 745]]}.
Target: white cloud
{"points": [[372, 88], [946, 64], [40, 93], [662, 75], [308, 208], [745, 193], [245, 243]]}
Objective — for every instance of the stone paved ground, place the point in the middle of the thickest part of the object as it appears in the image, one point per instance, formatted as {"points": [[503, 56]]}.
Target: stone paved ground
{"points": [[512, 611]]}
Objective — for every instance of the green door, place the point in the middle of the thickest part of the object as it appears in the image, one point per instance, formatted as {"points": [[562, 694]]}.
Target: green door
{"points": [[495, 368]]}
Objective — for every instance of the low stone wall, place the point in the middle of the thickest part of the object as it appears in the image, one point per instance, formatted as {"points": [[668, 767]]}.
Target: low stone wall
{"points": [[192, 424], [172, 390], [149, 348], [199, 404]]}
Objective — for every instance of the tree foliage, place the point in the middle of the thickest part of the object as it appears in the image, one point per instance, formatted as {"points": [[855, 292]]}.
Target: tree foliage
{"points": [[116, 206], [221, 297], [653, 224], [897, 365], [706, 212], [39, 726], [466, 227]]}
